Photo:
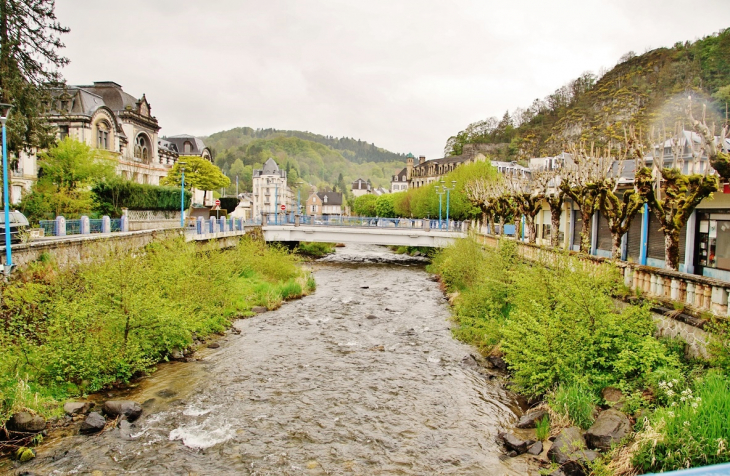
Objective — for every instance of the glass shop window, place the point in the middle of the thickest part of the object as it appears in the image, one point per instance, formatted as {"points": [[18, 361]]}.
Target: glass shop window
{"points": [[714, 244]]}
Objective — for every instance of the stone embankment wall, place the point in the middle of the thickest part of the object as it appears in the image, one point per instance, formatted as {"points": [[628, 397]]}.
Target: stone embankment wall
{"points": [[693, 297], [72, 250]]}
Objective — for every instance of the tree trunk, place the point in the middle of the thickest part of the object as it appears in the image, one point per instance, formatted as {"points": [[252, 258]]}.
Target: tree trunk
{"points": [[671, 249], [616, 245], [518, 220], [555, 226], [501, 225], [585, 233], [531, 230]]}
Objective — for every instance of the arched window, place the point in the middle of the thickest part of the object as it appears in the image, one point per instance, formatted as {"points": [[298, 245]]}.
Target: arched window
{"points": [[102, 135], [142, 148]]}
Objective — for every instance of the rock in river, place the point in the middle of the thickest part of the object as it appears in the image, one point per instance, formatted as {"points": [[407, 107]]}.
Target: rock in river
{"points": [[513, 443], [529, 420], [75, 408], [569, 451], [94, 423], [127, 408], [610, 427], [26, 422]]}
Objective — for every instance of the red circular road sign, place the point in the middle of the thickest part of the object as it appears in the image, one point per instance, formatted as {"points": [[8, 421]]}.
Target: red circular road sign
{"points": [[283, 207], [217, 203]]}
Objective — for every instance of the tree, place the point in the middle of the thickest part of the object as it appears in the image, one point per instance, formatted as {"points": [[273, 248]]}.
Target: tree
{"points": [[547, 182], [619, 207], [582, 182], [527, 199], [199, 174], [672, 194], [385, 206], [364, 205], [714, 149], [29, 63], [67, 172]]}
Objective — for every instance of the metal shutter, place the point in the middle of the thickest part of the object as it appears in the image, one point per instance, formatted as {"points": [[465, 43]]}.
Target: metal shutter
{"points": [[634, 238], [604, 241]]}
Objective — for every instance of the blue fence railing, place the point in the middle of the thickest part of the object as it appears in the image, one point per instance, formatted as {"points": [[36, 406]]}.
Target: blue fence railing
{"points": [[349, 221]]}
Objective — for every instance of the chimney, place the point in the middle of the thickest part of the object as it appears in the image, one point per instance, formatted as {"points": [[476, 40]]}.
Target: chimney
{"points": [[421, 159]]}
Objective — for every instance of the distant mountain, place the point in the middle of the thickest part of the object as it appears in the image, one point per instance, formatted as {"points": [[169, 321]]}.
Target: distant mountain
{"points": [[325, 162], [644, 91]]}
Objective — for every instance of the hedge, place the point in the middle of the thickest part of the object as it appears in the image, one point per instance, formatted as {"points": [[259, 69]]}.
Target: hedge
{"points": [[228, 203], [111, 197]]}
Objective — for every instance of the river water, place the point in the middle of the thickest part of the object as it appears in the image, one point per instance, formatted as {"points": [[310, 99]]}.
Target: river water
{"points": [[362, 377]]}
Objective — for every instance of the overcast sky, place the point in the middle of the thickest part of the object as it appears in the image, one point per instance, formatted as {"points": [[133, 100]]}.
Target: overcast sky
{"points": [[404, 74]]}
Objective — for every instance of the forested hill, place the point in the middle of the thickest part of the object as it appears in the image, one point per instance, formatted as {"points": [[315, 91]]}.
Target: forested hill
{"points": [[355, 150], [645, 90], [311, 157]]}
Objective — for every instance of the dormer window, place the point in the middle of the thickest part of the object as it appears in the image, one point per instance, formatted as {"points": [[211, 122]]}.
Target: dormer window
{"points": [[325, 199], [102, 135], [187, 148]]}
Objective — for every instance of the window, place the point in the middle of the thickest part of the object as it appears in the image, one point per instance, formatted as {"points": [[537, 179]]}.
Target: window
{"points": [[102, 135], [62, 132], [142, 148], [714, 241], [187, 148]]}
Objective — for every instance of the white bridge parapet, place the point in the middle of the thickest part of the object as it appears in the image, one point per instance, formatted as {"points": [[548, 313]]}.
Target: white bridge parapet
{"points": [[364, 235]]}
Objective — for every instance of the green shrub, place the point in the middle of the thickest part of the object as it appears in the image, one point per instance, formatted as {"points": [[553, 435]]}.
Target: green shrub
{"points": [[692, 431], [113, 195], [576, 401], [565, 325]]}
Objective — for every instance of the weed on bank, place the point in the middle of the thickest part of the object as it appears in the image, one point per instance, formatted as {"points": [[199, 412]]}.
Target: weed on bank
{"points": [[566, 339], [66, 333]]}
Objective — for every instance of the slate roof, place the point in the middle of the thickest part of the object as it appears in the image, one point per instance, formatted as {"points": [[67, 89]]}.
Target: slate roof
{"points": [[179, 141], [333, 198]]}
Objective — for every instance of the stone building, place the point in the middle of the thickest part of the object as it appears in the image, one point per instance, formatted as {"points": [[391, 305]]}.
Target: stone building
{"points": [[429, 171], [361, 187], [270, 191], [324, 203]]}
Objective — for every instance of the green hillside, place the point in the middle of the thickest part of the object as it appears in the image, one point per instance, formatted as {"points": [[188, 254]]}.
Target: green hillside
{"points": [[325, 162], [644, 91]]}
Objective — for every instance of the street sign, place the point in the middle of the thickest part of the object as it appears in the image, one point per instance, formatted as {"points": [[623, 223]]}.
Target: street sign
{"points": [[283, 207], [217, 203]]}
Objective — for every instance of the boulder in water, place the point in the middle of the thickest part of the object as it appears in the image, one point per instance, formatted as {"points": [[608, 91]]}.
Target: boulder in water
{"points": [[76, 408], [125, 408], [26, 422], [93, 423]]}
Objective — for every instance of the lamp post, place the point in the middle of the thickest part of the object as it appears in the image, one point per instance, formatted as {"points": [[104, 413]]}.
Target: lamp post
{"points": [[299, 196], [182, 195], [4, 111], [448, 190], [440, 194]]}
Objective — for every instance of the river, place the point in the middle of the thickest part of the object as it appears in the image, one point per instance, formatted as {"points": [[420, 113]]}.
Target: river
{"points": [[361, 377]]}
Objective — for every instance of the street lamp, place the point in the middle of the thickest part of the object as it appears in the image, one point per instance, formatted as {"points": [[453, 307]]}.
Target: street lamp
{"points": [[448, 190], [4, 111], [440, 194], [182, 195], [299, 196]]}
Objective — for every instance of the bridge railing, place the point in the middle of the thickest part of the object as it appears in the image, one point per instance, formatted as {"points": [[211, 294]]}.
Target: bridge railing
{"points": [[366, 222]]}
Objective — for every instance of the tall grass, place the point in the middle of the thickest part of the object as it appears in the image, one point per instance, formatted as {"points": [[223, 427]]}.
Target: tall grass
{"points": [[693, 430], [68, 332], [576, 401]]}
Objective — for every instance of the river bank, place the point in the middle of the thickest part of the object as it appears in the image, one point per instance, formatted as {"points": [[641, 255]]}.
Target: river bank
{"points": [[615, 399], [361, 377], [101, 325]]}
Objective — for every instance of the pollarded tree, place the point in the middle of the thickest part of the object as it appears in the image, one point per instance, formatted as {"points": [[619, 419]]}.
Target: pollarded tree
{"points": [[199, 174], [672, 194], [547, 181], [714, 148], [582, 182], [619, 205], [490, 195], [527, 200]]}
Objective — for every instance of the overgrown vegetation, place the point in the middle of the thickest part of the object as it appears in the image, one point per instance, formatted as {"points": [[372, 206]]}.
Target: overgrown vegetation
{"points": [[65, 333], [315, 250], [565, 338]]}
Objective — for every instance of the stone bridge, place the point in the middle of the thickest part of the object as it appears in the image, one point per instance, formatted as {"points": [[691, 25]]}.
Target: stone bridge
{"points": [[373, 235]]}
